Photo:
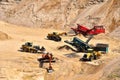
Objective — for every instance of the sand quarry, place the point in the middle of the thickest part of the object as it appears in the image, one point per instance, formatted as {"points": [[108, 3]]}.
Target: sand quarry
{"points": [[16, 65]]}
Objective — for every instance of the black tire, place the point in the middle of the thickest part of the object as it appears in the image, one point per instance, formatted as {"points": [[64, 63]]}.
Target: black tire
{"points": [[31, 51], [90, 58], [25, 49], [49, 37], [85, 55], [95, 57]]}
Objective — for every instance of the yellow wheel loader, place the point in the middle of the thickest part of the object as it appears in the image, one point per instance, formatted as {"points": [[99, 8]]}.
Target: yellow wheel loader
{"points": [[91, 55]]}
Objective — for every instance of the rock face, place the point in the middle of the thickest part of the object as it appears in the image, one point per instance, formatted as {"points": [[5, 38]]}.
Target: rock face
{"points": [[116, 33], [61, 13]]}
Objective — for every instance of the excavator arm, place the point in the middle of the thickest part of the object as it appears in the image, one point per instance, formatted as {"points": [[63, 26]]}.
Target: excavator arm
{"points": [[50, 69]]}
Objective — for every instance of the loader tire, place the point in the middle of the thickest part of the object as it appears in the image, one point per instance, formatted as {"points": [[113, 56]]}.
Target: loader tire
{"points": [[95, 57], [90, 58]]}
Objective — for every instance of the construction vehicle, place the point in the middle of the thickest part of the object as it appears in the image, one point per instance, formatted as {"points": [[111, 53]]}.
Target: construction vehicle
{"points": [[54, 36], [91, 55], [28, 47], [86, 31], [80, 45], [47, 58]]}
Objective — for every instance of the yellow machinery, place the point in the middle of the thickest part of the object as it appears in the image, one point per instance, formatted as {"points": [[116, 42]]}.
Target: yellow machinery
{"points": [[54, 36], [28, 47], [91, 55]]}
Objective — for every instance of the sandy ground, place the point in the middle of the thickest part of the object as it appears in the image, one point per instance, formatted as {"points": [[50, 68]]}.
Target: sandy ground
{"points": [[16, 65]]}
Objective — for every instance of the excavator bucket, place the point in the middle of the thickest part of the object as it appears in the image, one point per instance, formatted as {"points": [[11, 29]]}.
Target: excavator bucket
{"points": [[50, 70]]}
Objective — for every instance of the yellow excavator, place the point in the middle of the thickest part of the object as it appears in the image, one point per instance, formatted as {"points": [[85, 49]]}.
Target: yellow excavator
{"points": [[56, 36]]}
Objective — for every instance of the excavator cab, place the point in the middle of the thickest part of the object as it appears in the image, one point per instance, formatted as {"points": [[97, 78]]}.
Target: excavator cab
{"points": [[54, 33], [36, 47], [43, 48], [28, 44]]}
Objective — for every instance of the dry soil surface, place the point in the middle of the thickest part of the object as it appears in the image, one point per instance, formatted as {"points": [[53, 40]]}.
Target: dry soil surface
{"points": [[17, 65]]}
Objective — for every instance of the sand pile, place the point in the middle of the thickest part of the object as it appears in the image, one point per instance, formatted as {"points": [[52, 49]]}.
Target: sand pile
{"points": [[4, 36]]}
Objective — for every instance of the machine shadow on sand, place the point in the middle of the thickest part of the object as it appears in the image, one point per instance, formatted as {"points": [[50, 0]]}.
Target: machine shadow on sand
{"points": [[30, 52], [66, 47], [72, 55]]}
